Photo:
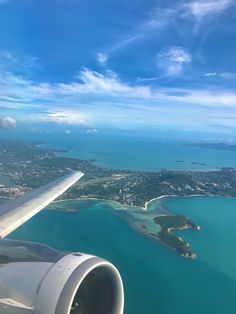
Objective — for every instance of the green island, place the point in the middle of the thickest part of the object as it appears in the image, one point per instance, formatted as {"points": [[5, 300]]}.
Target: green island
{"points": [[26, 165], [168, 224]]}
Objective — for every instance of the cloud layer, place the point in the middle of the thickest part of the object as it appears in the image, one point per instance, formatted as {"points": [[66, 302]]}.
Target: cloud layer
{"points": [[103, 99], [151, 64]]}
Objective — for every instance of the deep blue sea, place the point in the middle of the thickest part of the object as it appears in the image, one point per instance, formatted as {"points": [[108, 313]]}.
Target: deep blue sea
{"points": [[156, 279]]}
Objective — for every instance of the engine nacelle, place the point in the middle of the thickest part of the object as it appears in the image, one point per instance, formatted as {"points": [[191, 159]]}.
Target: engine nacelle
{"points": [[54, 283]]}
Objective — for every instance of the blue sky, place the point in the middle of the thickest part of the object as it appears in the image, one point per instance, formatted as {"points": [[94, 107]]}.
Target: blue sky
{"points": [[119, 64]]}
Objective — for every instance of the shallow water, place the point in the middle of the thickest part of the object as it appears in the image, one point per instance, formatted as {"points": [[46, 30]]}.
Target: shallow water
{"points": [[156, 279]]}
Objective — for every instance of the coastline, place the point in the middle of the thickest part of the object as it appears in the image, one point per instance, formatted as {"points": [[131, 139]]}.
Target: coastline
{"points": [[139, 223], [126, 206], [137, 218], [147, 203], [174, 195], [119, 205]]}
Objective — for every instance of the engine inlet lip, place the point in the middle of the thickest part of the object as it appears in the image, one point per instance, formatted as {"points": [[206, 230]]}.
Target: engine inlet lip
{"points": [[72, 285]]}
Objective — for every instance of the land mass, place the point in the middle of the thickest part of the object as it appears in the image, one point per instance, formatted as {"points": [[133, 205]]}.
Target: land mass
{"points": [[29, 166], [219, 146]]}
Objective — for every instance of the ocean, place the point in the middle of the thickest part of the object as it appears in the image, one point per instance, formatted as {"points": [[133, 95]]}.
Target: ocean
{"points": [[124, 151], [156, 279]]}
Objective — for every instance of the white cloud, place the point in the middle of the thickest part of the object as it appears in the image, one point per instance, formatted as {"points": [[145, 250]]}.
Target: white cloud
{"points": [[206, 98], [202, 8], [223, 75], [7, 123], [103, 89], [67, 132], [101, 99], [158, 20], [173, 60], [92, 131], [63, 118], [228, 75], [146, 79], [24, 63], [97, 83], [210, 74], [102, 58]]}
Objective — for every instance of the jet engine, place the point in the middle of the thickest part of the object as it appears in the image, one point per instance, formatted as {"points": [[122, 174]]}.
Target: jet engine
{"points": [[35, 278]]}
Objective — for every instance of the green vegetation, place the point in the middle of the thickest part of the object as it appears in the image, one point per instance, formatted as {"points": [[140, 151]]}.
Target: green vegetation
{"points": [[177, 222], [174, 222], [218, 146], [174, 242]]}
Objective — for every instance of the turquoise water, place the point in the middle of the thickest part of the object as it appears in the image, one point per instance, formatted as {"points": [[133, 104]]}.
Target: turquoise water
{"points": [[156, 279], [215, 244], [132, 152]]}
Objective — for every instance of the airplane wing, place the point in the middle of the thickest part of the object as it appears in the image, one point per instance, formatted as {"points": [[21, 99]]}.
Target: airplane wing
{"points": [[37, 279], [15, 213]]}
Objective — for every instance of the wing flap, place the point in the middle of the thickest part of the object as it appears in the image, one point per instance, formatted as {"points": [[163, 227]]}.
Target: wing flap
{"points": [[15, 213]]}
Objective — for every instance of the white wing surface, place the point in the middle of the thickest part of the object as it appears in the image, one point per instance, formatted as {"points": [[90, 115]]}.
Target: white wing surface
{"points": [[16, 212]]}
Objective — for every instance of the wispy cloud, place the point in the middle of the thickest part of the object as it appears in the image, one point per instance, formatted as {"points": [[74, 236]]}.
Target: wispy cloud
{"points": [[173, 60], [92, 131], [21, 92], [228, 75], [97, 83], [156, 21], [201, 9], [104, 99], [161, 19], [210, 74], [22, 64], [207, 98], [15, 89], [223, 75], [62, 118], [146, 79], [102, 58]]}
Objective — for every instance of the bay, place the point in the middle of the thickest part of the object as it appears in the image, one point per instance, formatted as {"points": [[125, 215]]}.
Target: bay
{"points": [[156, 279]]}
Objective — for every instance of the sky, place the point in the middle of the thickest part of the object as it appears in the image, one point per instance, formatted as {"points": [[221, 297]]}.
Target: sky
{"points": [[136, 65]]}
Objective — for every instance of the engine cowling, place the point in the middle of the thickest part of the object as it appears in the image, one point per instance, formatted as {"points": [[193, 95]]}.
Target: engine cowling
{"points": [[74, 283]]}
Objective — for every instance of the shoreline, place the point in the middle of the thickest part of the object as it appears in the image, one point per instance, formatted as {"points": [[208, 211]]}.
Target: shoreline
{"points": [[145, 208], [177, 196], [141, 231], [124, 206]]}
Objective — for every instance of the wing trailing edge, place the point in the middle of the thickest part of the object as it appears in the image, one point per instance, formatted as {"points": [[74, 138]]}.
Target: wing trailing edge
{"points": [[14, 213]]}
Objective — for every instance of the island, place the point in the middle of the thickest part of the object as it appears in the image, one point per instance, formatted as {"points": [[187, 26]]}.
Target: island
{"points": [[170, 223], [28, 165], [218, 146]]}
